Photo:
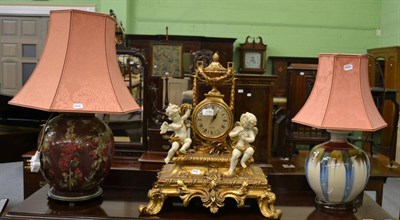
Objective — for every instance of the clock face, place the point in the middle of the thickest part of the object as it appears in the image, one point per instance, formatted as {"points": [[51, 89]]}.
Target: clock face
{"points": [[212, 120], [252, 60]]}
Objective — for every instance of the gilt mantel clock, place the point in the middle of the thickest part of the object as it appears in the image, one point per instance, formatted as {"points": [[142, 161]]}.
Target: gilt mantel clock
{"points": [[252, 56], [206, 170], [213, 118]]}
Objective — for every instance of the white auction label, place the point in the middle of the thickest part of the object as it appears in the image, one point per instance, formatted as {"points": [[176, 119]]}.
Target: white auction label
{"points": [[348, 67], [208, 112], [77, 106], [196, 171]]}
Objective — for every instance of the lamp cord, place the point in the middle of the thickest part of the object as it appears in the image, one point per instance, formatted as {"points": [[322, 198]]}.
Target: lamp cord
{"points": [[41, 137]]}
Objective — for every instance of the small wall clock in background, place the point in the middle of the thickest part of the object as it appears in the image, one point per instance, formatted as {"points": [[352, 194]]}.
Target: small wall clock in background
{"points": [[252, 56]]}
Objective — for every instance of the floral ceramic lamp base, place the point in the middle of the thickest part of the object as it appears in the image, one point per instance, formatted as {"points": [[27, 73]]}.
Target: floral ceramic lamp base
{"points": [[76, 154]]}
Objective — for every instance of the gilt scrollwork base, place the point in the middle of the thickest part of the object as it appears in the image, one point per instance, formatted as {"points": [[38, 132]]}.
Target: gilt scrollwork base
{"points": [[155, 204], [212, 186]]}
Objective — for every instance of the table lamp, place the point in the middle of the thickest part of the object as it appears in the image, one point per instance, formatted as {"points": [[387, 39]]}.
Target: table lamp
{"points": [[76, 76], [340, 102]]}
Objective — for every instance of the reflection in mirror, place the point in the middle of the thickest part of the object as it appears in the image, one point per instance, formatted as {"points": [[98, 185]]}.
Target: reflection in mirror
{"points": [[204, 55], [166, 89], [178, 90], [128, 127], [132, 72], [379, 74], [183, 87]]}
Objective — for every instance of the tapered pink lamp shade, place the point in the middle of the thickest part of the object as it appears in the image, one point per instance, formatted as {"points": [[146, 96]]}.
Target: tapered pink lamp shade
{"points": [[78, 69], [341, 97]]}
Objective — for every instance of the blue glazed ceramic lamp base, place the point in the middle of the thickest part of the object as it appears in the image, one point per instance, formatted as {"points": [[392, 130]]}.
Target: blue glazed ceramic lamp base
{"points": [[337, 172]]}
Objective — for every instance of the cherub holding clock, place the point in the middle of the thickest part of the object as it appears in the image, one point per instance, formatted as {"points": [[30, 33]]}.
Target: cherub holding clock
{"points": [[180, 140], [242, 135]]}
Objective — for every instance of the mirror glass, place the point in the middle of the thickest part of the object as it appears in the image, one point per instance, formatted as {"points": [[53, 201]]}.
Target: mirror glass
{"points": [[127, 128], [379, 73]]}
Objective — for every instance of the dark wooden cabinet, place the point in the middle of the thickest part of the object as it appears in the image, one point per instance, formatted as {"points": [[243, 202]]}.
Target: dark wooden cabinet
{"points": [[15, 141], [388, 59], [153, 88], [253, 94], [280, 69], [301, 78], [295, 76], [190, 44]]}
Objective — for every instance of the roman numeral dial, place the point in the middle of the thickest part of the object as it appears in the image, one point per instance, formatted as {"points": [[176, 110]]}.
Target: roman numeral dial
{"points": [[212, 120]]}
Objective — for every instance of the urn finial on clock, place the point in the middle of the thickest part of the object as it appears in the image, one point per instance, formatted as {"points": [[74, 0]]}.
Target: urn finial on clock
{"points": [[215, 74]]}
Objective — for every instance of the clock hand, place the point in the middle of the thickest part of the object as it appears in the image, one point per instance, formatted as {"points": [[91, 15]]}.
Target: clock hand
{"points": [[214, 116]]}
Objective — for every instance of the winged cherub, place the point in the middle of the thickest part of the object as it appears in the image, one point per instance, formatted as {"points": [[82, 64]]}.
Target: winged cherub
{"points": [[242, 135], [180, 140]]}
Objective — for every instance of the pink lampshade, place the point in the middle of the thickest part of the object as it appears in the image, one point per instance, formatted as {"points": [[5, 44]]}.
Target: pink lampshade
{"points": [[341, 97], [78, 69]]}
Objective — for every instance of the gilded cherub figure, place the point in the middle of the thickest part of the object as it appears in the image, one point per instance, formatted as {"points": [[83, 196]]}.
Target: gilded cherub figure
{"points": [[243, 134], [180, 140]]}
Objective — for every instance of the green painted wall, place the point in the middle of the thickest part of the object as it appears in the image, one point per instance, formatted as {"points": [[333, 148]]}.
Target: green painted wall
{"points": [[390, 23], [120, 8], [289, 27], [301, 28]]}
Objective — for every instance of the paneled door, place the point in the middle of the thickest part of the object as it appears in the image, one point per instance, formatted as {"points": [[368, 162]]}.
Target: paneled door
{"points": [[21, 43]]}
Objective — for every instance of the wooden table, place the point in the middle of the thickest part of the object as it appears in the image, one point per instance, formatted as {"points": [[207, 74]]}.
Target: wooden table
{"points": [[123, 204], [284, 181]]}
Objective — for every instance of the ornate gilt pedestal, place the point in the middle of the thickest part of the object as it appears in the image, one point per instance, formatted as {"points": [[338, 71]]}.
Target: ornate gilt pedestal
{"points": [[205, 177]]}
